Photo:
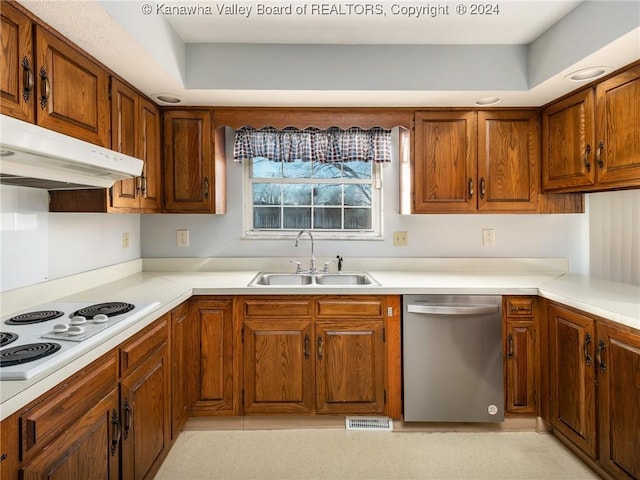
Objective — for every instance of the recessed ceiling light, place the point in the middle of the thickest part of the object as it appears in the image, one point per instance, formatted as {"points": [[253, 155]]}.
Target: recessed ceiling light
{"points": [[483, 102], [167, 98], [586, 74]]}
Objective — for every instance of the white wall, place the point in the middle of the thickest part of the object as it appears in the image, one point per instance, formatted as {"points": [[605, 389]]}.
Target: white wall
{"points": [[36, 246], [429, 235]]}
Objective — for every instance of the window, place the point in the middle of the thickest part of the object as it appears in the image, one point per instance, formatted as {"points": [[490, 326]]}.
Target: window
{"points": [[327, 181]]}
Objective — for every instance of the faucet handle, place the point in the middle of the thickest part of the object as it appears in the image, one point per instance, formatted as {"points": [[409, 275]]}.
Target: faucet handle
{"points": [[298, 266], [325, 269]]}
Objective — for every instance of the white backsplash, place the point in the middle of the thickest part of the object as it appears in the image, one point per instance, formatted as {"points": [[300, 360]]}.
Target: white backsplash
{"points": [[38, 246], [614, 236]]}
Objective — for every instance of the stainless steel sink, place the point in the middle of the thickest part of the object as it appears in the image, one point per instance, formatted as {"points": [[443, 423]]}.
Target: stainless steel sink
{"points": [[281, 279], [345, 279], [313, 279]]}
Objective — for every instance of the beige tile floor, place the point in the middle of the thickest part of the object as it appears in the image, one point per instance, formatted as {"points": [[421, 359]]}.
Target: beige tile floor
{"points": [[304, 448]]}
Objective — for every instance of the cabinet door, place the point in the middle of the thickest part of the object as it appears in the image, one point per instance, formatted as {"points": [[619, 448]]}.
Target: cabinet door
{"points": [[568, 145], [16, 64], [89, 449], [213, 320], [124, 134], [520, 370], [508, 167], [618, 129], [148, 150], [73, 91], [278, 366], [444, 162], [182, 345], [188, 161], [572, 348], [618, 369], [145, 411], [350, 366]]}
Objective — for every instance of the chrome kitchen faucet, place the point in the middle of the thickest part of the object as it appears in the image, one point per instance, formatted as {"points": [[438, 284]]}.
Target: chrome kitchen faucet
{"points": [[312, 267]]}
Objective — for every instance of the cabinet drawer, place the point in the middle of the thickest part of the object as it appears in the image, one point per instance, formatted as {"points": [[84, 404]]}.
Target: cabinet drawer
{"points": [[136, 350], [520, 307], [276, 307], [40, 424], [369, 307]]}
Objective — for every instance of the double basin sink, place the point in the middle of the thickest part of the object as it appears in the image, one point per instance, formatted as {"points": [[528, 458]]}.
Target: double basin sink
{"points": [[313, 279]]}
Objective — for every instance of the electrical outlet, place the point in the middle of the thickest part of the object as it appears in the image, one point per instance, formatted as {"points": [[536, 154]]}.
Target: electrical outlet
{"points": [[182, 238], [400, 239], [125, 240], [488, 237]]}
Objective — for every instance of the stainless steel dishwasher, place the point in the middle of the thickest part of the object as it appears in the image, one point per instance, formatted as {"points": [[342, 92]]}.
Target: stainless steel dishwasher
{"points": [[452, 358]]}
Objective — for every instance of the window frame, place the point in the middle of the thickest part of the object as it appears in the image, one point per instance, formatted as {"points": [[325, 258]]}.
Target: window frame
{"points": [[375, 233]]}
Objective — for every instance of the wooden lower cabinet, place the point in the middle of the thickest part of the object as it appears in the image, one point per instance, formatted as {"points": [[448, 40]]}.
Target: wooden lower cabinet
{"points": [[214, 359], [350, 367], [595, 390], [618, 367], [88, 449], [278, 366], [182, 342], [321, 354], [145, 401], [573, 387], [520, 340]]}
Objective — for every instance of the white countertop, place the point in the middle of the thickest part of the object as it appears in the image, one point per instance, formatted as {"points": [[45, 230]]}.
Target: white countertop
{"points": [[614, 301]]}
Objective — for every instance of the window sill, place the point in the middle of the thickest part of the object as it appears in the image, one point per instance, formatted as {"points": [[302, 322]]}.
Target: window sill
{"points": [[290, 236]]}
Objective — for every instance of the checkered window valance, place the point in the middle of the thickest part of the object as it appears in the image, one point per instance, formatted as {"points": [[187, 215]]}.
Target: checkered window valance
{"points": [[332, 145]]}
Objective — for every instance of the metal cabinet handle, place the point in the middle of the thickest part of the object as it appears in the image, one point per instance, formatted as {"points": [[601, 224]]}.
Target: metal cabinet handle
{"points": [[306, 347], [320, 344], [45, 87], [510, 346], [116, 431], [599, 151], [515, 309], [587, 151], [143, 186], [127, 417], [587, 341], [470, 187], [601, 364], [206, 187], [483, 187], [27, 79]]}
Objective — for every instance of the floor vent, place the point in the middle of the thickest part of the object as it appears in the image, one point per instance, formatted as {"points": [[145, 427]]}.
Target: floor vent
{"points": [[369, 423]]}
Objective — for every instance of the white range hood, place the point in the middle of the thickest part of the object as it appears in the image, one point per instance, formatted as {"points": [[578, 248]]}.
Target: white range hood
{"points": [[33, 156]]}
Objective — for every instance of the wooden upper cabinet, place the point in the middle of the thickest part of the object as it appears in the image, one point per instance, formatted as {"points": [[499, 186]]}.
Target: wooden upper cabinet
{"points": [[468, 161], [444, 162], [17, 78], [72, 91], [618, 129], [568, 142], [191, 180], [135, 131], [149, 150], [124, 134], [591, 139], [508, 165]]}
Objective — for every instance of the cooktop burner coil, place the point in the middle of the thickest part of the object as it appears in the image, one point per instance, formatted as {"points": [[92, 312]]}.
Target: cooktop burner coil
{"points": [[34, 317], [110, 309], [27, 353], [7, 337]]}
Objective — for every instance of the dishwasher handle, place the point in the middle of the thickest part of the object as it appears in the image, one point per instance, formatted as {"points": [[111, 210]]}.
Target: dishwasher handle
{"points": [[453, 309]]}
